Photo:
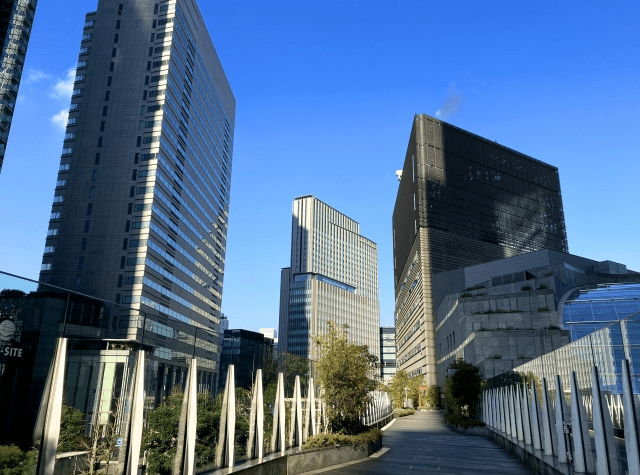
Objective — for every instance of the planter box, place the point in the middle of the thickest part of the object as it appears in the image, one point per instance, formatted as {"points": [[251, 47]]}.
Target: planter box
{"points": [[298, 461], [315, 459]]}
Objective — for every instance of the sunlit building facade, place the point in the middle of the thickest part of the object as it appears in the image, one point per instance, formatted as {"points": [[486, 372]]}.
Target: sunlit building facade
{"points": [[462, 200], [333, 277], [141, 202], [16, 20]]}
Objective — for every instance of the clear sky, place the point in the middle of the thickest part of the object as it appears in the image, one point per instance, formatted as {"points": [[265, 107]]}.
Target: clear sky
{"points": [[326, 91]]}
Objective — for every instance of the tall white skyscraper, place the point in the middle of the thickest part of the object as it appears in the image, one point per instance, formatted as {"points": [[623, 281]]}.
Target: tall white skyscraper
{"points": [[333, 277]]}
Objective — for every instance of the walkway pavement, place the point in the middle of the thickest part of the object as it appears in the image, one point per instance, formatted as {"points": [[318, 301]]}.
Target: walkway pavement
{"points": [[424, 443]]}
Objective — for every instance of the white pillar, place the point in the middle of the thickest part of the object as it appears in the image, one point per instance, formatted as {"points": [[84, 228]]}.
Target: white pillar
{"points": [[256, 420], [524, 414], [535, 418], [512, 412], [549, 436], [52, 410], [607, 462], [312, 407], [561, 416], [192, 419], [518, 413], [631, 431], [581, 439], [136, 422]]}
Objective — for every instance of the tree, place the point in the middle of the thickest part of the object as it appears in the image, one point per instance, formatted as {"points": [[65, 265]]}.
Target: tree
{"points": [[160, 437], [71, 430], [463, 388], [433, 396], [396, 388], [14, 461], [346, 373]]}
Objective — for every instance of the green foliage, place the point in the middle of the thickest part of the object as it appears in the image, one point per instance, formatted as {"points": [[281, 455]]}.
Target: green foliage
{"points": [[401, 381], [463, 421], [463, 389], [433, 396], [160, 437], [71, 430], [328, 440], [346, 372], [404, 412], [14, 461]]}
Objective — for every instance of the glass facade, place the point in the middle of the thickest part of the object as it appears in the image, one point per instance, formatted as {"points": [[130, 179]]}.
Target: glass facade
{"points": [[143, 202], [16, 19], [586, 311], [605, 348], [462, 200], [333, 277], [387, 353]]}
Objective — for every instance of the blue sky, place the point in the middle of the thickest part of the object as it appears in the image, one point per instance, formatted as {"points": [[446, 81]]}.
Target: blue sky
{"points": [[326, 91]]}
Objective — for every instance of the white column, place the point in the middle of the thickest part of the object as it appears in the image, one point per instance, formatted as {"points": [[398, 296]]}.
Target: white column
{"points": [[312, 407], [524, 407], [581, 439], [535, 417], [607, 462], [561, 416], [192, 419], [231, 416], [631, 431], [256, 420], [52, 411], [518, 413], [549, 436], [512, 412], [136, 422]]}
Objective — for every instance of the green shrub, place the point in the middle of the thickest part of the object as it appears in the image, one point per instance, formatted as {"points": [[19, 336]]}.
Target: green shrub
{"points": [[14, 461], [329, 440], [463, 421], [404, 412], [433, 396]]}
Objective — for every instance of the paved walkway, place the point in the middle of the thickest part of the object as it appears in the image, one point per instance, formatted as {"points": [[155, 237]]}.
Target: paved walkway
{"points": [[424, 443]]}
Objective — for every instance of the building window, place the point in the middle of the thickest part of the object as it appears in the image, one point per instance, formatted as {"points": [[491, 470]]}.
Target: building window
{"points": [[97, 160], [123, 260], [81, 262], [92, 191], [89, 207], [127, 226], [78, 281], [79, 77], [83, 245], [106, 95], [111, 66], [86, 226], [99, 142], [102, 124], [118, 25], [120, 280], [85, 50], [66, 151], [89, 24], [83, 64], [104, 111], [94, 177], [132, 192], [115, 38], [109, 79], [86, 37], [72, 121], [125, 243]]}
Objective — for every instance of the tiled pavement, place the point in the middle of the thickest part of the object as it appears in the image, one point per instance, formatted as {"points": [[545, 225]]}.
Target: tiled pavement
{"points": [[424, 443]]}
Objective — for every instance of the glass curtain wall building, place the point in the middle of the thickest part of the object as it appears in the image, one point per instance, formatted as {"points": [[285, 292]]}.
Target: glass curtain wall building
{"points": [[462, 200], [16, 19], [387, 353], [586, 311], [140, 207], [333, 277]]}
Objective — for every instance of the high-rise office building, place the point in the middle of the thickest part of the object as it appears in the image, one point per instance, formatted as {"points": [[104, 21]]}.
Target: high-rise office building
{"points": [[387, 353], [462, 200], [333, 277], [141, 203], [16, 18]]}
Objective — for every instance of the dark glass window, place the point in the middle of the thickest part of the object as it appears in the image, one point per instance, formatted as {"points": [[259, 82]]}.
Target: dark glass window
{"points": [[90, 207], [83, 245], [86, 226], [118, 25]]}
